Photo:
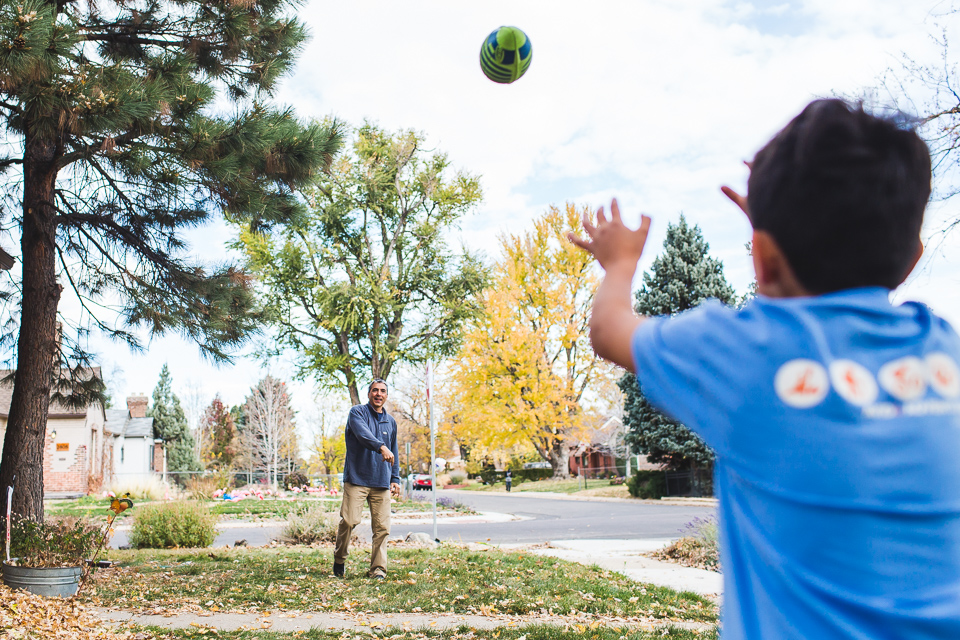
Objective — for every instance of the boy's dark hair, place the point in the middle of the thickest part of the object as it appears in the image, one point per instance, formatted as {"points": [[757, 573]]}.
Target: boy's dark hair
{"points": [[842, 192]]}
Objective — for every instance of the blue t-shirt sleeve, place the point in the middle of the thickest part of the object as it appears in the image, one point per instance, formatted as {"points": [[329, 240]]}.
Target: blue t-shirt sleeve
{"points": [[695, 367]]}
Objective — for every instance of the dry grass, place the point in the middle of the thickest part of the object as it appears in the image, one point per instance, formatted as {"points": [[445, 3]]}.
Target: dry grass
{"points": [[144, 489]]}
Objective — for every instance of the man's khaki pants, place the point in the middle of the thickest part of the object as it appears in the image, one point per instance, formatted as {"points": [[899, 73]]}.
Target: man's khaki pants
{"points": [[350, 509]]}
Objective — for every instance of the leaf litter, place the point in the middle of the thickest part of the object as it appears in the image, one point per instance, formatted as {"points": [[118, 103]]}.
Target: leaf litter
{"points": [[25, 615]]}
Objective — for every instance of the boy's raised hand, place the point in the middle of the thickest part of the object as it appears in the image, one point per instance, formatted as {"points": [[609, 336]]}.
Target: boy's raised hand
{"points": [[617, 249], [739, 200], [611, 242]]}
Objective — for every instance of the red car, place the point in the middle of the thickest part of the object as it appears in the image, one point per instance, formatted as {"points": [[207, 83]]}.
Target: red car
{"points": [[422, 481]]}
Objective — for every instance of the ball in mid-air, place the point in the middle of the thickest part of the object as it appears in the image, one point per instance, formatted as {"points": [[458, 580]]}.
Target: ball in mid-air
{"points": [[505, 55]]}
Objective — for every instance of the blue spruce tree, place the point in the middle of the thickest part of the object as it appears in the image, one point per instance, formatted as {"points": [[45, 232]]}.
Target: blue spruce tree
{"points": [[170, 424], [682, 277]]}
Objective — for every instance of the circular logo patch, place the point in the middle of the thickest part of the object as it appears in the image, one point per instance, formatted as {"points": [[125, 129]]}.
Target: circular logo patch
{"points": [[853, 382], [905, 379], [801, 383], [943, 374]]}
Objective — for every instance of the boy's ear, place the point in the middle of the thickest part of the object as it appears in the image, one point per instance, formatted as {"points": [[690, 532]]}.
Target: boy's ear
{"points": [[775, 277], [765, 263]]}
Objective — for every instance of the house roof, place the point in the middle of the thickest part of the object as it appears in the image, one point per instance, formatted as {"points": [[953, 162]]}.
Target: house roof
{"points": [[601, 435], [56, 408], [119, 423]]}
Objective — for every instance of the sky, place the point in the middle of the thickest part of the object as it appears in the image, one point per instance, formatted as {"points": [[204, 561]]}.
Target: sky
{"points": [[656, 103]]}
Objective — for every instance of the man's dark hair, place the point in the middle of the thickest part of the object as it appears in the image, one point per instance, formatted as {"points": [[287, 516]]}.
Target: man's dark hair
{"points": [[842, 192], [375, 381]]}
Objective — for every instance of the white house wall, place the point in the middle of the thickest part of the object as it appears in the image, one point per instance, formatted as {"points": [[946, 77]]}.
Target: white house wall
{"points": [[132, 459]]}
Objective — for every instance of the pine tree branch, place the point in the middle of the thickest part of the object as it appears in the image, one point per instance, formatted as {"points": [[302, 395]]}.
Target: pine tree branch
{"points": [[10, 161], [84, 300]]}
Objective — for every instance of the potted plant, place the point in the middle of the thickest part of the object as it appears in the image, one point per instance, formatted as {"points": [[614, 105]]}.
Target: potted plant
{"points": [[51, 558]]}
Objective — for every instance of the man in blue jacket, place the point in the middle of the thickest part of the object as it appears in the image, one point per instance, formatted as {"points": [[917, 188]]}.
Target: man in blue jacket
{"points": [[371, 473]]}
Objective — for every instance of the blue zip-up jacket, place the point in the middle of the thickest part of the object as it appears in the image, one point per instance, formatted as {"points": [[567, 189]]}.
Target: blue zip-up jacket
{"points": [[366, 432]]}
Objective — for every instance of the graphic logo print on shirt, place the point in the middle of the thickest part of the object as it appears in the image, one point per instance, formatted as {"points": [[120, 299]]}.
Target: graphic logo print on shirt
{"points": [[904, 379], [944, 375], [853, 382], [801, 383]]}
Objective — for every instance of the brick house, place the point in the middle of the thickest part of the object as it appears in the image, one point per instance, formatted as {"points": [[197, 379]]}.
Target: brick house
{"points": [[88, 448]]}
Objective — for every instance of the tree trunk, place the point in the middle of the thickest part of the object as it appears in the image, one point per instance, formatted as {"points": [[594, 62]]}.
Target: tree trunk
{"points": [[560, 459], [37, 347]]}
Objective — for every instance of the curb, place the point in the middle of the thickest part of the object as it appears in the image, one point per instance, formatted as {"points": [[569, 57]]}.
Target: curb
{"points": [[549, 495]]}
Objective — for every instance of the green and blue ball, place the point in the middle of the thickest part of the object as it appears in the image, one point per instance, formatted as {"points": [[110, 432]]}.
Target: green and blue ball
{"points": [[505, 55]]}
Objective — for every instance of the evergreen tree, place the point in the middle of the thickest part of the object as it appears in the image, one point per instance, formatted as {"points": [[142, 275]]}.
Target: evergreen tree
{"points": [[170, 425], [120, 135], [681, 278]]}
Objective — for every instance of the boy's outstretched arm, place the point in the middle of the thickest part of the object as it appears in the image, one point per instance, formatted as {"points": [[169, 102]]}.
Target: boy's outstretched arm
{"points": [[617, 249]]}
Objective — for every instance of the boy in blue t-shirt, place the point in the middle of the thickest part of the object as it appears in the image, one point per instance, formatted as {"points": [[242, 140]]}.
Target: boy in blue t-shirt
{"points": [[834, 415]]}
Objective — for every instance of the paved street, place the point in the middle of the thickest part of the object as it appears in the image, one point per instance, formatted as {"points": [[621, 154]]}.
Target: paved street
{"points": [[551, 518], [532, 518]]}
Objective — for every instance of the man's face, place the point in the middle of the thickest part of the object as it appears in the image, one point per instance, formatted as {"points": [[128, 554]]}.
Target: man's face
{"points": [[377, 395]]}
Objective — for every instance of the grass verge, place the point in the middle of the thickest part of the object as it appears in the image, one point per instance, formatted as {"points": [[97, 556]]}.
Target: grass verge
{"points": [[449, 579], [594, 486]]}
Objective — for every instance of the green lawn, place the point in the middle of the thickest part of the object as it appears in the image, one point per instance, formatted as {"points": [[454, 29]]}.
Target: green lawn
{"points": [[593, 486], [269, 509], [449, 579], [529, 632]]}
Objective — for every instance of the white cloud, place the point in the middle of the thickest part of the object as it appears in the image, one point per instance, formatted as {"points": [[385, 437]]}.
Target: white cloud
{"points": [[655, 102]]}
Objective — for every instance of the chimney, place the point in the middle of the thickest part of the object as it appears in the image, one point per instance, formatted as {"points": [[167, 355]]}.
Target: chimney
{"points": [[137, 406]]}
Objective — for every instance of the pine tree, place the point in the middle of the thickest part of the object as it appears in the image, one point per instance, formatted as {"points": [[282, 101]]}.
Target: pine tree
{"points": [[170, 425], [681, 278], [127, 123]]}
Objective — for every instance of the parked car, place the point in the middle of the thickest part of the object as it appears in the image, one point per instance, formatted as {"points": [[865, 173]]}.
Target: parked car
{"points": [[421, 481]]}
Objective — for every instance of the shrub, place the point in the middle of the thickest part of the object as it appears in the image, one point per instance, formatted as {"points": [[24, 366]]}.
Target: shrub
{"points": [[66, 542], [699, 547], [532, 475], [173, 524], [457, 478], [490, 475], [649, 484], [296, 479], [310, 525], [202, 487]]}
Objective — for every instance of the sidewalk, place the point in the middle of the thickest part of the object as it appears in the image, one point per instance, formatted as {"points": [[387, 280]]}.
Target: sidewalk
{"points": [[291, 621], [624, 556]]}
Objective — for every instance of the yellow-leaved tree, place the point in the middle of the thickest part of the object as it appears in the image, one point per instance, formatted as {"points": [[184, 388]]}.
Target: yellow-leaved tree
{"points": [[526, 374]]}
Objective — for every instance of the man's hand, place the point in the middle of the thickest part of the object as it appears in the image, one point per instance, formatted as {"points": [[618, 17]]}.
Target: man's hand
{"points": [[611, 242], [395, 490], [387, 454]]}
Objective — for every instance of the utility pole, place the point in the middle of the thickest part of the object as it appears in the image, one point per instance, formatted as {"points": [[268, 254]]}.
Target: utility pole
{"points": [[433, 448]]}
